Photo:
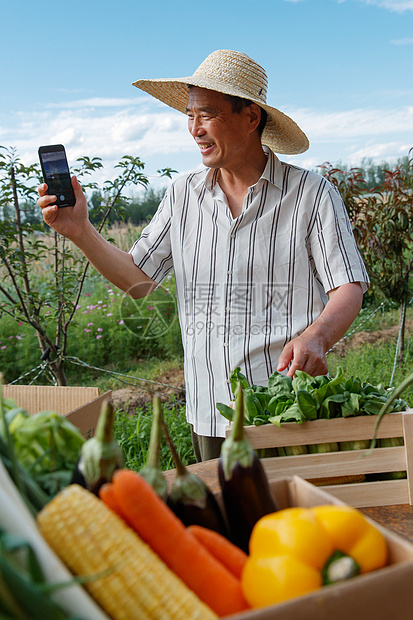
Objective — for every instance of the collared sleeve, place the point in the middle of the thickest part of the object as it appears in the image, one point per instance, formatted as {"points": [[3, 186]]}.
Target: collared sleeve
{"points": [[152, 251], [335, 257]]}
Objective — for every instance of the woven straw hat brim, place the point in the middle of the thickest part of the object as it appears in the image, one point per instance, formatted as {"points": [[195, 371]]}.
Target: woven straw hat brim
{"points": [[281, 134]]}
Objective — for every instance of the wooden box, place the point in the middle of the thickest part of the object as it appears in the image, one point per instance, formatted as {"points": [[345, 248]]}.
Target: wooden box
{"points": [[80, 405], [384, 594], [344, 463]]}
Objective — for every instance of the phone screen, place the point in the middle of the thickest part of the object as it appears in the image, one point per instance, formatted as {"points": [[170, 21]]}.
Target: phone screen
{"points": [[56, 174]]}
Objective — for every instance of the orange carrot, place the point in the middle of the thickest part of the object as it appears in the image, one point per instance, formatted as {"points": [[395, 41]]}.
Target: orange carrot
{"points": [[161, 529], [107, 495], [231, 556]]}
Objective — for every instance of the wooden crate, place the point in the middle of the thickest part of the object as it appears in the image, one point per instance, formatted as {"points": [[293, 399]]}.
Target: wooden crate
{"points": [[345, 463]]}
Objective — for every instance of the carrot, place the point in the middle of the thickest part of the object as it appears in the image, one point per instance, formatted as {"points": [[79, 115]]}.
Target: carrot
{"points": [[231, 556], [107, 495], [161, 529]]}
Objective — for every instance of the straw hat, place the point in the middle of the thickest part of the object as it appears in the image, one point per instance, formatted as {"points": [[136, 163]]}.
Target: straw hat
{"points": [[232, 73]]}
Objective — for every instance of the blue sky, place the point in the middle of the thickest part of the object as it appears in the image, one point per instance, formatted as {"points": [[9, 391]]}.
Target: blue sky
{"points": [[342, 69]]}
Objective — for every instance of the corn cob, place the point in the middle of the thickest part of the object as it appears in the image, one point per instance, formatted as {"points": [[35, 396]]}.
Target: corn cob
{"points": [[136, 584]]}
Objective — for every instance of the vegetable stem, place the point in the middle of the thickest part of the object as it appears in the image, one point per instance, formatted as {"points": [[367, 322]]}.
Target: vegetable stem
{"points": [[404, 384], [180, 467], [155, 438], [151, 471], [238, 427]]}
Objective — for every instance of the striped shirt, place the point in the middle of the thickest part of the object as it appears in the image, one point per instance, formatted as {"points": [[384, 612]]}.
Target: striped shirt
{"points": [[246, 285]]}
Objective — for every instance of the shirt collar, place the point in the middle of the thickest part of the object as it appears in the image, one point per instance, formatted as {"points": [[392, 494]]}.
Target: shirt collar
{"points": [[272, 172]]}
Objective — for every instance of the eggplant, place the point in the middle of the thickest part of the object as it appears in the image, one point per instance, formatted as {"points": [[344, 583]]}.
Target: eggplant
{"points": [[245, 489], [151, 471], [100, 456], [190, 498]]}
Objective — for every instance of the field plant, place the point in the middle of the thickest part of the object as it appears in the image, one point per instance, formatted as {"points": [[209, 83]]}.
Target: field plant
{"points": [[382, 221], [49, 304], [132, 432], [99, 337]]}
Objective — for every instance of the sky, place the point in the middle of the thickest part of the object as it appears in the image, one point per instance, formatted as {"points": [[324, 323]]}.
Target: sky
{"points": [[342, 69]]}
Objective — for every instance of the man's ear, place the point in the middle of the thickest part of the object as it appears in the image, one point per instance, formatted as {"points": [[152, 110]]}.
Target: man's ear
{"points": [[254, 116]]}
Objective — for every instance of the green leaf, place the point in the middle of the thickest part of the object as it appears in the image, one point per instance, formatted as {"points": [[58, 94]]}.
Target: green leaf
{"points": [[238, 379], [225, 411], [307, 404]]}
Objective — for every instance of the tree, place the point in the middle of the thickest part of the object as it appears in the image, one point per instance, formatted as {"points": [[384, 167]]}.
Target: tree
{"points": [[49, 309], [140, 211], [382, 221]]}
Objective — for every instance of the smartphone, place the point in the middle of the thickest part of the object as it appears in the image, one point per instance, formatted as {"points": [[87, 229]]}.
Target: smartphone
{"points": [[56, 174]]}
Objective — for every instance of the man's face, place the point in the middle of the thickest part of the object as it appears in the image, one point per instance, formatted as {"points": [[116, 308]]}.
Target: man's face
{"points": [[221, 134]]}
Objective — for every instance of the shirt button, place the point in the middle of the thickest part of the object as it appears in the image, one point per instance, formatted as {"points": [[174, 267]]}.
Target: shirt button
{"points": [[229, 273]]}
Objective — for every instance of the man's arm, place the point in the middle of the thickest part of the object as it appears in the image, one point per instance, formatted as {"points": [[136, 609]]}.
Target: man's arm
{"points": [[114, 264], [307, 352]]}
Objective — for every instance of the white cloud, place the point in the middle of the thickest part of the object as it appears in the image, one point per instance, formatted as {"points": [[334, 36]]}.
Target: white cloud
{"points": [[109, 129], [405, 41], [157, 134], [397, 6], [354, 123]]}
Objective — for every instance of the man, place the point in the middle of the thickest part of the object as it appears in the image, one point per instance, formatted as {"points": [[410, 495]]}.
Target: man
{"points": [[267, 272]]}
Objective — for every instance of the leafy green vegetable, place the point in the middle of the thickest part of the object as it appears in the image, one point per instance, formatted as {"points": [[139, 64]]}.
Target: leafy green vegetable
{"points": [[306, 398], [46, 445]]}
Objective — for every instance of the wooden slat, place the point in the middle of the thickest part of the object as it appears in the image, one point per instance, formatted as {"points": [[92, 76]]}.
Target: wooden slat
{"points": [[336, 463], [408, 447], [321, 431], [364, 494]]}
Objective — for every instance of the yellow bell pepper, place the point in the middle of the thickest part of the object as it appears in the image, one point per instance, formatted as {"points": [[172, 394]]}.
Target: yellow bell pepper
{"points": [[298, 550]]}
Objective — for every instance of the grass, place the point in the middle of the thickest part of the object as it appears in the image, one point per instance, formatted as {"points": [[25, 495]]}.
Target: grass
{"points": [[132, 432]]}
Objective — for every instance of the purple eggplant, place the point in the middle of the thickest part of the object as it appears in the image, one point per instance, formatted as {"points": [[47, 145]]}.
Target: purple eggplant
{"points": [[190, 498], [245, 489]]}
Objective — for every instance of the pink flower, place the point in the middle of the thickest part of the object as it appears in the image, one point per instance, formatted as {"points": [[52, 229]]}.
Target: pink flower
{"points": [[97, 337], [109, 314], [87, 330], [121, 322], [150, 307], [3, 347], [100, 329], [89, 324]]}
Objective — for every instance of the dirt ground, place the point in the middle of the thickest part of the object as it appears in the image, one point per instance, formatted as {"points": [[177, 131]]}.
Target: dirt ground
{"points": [[169, 383], [172, 382], [378, 337]]}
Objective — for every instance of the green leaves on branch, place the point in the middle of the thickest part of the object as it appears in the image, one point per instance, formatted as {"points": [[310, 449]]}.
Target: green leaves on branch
{"points": [[46, 298], [382, 222]]}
